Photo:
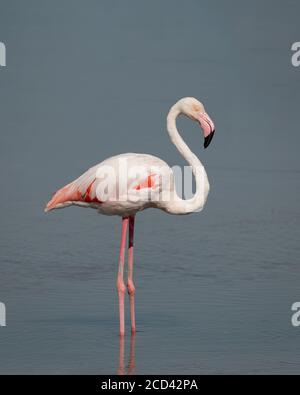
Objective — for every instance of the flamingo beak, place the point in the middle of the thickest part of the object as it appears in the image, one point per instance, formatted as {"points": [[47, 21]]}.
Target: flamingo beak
{"points": [[208, 139], [208, 128]]}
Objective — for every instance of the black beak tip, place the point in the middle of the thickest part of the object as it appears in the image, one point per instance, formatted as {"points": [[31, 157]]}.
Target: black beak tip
{"points": [[208, 139]]}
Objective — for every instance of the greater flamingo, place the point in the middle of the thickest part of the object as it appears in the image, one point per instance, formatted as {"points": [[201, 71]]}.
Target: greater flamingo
{"points": [[128, 183]]}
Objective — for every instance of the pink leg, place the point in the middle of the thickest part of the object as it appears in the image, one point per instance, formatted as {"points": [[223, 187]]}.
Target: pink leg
{"points": [[131, 364], [121, 370], [120, 282], [130, 284]]}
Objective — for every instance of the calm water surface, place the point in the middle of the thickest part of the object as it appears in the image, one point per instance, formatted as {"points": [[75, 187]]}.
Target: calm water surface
{"points": [[85, 81], [209, 300]]}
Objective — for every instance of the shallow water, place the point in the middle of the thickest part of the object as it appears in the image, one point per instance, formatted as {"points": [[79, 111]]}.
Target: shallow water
{"points": [[214, 289], [208, 300]]}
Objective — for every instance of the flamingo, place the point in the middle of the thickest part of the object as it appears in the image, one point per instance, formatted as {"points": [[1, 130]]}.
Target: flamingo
{"points": [[128, 183]]}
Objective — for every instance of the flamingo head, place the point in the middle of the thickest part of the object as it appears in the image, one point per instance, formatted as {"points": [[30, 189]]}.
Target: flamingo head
{"points": [[194, 109]]}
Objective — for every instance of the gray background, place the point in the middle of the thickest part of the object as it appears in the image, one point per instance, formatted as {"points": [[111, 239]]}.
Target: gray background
{"points": [[86, 80]]}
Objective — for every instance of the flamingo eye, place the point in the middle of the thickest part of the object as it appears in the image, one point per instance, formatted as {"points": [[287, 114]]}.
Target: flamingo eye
{"points": [[196, 108]]}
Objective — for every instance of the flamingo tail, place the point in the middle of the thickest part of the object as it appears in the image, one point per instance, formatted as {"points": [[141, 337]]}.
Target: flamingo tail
{"points": [[63, 197]]}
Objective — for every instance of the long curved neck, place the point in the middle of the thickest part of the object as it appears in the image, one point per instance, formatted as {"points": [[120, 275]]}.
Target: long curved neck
{"points": [[196, 203]]}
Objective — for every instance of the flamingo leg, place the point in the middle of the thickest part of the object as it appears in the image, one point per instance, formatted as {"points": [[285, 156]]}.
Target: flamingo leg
{"points": [[131, 363], [130, 284], [121, 369], [120, 282]]}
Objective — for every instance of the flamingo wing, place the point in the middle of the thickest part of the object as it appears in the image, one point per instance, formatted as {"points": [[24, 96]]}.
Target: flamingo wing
{"points": [[144, 183], [81, 191]]}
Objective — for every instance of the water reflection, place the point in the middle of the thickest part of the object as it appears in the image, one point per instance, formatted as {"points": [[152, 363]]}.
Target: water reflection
{"points": [[131, 360]]}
